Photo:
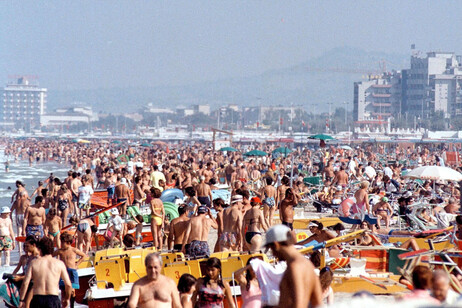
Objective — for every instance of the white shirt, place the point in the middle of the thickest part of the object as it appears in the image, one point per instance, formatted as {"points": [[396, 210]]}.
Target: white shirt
{"points": [[85, 193], [388, 172], [370, 171]]}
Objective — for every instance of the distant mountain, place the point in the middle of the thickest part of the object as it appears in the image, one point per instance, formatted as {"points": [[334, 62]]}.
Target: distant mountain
{"points": [[315, 83]]}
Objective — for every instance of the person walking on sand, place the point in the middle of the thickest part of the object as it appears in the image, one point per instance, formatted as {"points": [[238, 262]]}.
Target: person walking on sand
{"points": [[6, 235]]}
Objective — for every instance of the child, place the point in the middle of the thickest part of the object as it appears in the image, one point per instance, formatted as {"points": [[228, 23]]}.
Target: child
{"points": [[139, 229], [53, 226], [68, 255], [325, 277], [186, 287], [114, 228], [6, 234]]}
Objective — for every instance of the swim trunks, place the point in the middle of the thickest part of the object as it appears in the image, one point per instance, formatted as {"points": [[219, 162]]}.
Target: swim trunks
{"points": [[85, 206], [204, 200], [83, 226], [199, 248], [36, 231], [5, 243], [228, 239], [74, 277], [249, 236], [45, 301], [289, 224], [110, 191], [20, 220], [121, 200]]}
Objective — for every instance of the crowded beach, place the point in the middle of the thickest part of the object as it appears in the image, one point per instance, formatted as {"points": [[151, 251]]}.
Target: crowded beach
{"points": [[159, 224]]}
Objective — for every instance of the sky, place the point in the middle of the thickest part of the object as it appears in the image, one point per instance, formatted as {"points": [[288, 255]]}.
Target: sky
{"points": [[115, 44]]}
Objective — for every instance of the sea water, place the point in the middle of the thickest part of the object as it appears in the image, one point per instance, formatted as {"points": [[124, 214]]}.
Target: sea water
{"points": [[29, 175]]}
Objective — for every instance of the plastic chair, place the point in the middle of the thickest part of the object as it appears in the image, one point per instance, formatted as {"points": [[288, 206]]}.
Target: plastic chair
{"points": [[175, 270], [110, 272], [169, 257], [195, 268], [136, 268]]}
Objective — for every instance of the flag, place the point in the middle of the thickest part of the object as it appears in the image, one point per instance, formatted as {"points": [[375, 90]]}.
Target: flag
{"points": [[303, 123]]}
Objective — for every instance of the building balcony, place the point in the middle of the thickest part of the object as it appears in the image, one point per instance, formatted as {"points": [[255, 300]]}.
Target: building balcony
{"points": [[381, 104], [381, 95], [381, 86], [381, 114]]}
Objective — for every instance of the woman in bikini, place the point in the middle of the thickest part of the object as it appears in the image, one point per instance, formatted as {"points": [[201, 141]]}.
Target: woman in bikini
{"points": [[157, 217], [53, 226], [253, 221], [85, 229]]}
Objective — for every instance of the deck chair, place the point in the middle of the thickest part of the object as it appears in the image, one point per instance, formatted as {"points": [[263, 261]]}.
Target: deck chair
{"points": [[110, 272], [170, 257], [195, 268]]}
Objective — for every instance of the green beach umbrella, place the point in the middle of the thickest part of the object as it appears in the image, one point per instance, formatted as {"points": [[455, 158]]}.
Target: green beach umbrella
{"points": [[255, 153], [283, 150], [146, 145], [117, 141], [228, 149], [322, 137]]}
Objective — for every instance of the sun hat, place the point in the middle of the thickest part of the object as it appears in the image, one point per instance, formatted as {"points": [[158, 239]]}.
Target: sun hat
{"points": [[114, 211], [5, 209], [278, 233]]}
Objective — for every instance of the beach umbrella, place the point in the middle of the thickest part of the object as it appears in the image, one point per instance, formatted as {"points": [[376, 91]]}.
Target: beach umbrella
{"points": [[283, 150], [321, 137], [255, 153], [146, 145], [104, 141], [83, 141], [346, 147], [117, 141], [158, 142], [435, 173], [228, 149]]}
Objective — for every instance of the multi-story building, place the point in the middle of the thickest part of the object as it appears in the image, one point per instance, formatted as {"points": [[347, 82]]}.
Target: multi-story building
{"points": [[377, 99], [69, 116], [23, 103]]}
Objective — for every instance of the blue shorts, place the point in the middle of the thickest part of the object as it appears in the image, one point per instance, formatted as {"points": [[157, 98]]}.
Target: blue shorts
{"points": [[74, 277]]}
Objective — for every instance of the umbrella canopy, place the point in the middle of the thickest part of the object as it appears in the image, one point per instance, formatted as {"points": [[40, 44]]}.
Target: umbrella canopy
{"points": [[255, 153], [322, 137], [346, 147], [158, 142], [228, 149], [146, 145], [104, 141], [84, 141], [283, 150], [117, 141], [435, 173]]}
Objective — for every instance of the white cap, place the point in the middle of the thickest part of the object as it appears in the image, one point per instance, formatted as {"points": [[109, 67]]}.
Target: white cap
{"points": [[278, 233], [236, 198], [5, 209], [114, 211]]}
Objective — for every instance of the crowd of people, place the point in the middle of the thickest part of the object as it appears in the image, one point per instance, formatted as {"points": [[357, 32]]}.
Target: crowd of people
{"points": [[136, 175]]}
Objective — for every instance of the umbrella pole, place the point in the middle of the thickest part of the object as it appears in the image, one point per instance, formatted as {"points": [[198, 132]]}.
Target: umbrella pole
{"points": [[292, 171]]}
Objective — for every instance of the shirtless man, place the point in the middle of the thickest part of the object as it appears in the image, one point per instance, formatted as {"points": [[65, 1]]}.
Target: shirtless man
{"points": [[154, 289], [68, 255], [341, 178], [229, 170], [253, 220], [362, 199], [268, 196], [6, 235], [204, 193], [219, 206], [383, 211], [242, 174], [34, 219], [75, 184], [299, 287], [208, 173], [46, 272], [329, 173], [122, 193], [287, 208], [53, 226], [178, 228], [197, 233], [230, 238], [318, 233], [20, 200]]}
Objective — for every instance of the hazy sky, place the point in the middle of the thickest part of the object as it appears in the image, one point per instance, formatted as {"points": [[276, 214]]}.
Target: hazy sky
{"points": [[103, 44]]}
